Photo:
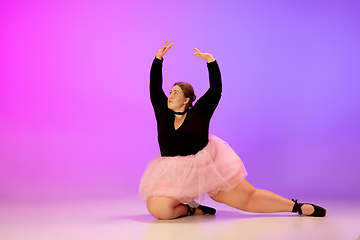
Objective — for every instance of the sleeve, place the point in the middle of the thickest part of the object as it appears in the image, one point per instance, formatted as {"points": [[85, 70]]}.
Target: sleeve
{"points": [[209, 101], [157, 95]]}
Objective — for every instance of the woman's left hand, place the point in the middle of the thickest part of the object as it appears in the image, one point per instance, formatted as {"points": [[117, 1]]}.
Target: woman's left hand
{"points": [[207, 56]]}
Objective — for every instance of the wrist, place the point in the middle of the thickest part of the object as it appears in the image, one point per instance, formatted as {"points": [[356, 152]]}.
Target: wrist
{"points": [[210, 59]]}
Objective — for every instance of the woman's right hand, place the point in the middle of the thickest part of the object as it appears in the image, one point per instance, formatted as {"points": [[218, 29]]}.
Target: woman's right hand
{"points": [[163, 50]]}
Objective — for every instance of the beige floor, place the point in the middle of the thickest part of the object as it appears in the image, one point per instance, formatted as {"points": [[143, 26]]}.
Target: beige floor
{"points": [[129, 219]]}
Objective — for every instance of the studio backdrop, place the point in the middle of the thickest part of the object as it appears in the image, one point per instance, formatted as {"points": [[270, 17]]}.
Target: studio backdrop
{"points": [[76, 120]]}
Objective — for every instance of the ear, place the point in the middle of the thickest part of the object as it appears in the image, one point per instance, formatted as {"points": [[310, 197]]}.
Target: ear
{"points": [[187, 100]]}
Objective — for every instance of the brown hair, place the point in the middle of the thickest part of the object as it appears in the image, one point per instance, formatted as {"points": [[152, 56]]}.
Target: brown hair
{"points": [[188, 91]]}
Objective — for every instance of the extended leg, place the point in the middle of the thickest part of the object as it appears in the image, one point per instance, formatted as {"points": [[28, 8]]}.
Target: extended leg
{"points": [[247, 198]]}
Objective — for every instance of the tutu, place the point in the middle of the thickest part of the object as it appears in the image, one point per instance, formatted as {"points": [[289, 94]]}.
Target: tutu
{"points": [[190, 178]]}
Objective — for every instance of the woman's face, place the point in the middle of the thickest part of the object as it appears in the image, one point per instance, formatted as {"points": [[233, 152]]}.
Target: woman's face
{"points": [[177, 101]]}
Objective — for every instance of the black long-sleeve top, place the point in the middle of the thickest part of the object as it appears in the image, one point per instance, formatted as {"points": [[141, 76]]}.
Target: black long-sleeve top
{"points": [[192, 135]]}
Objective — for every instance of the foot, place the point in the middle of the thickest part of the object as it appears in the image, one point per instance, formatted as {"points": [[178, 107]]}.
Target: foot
{"points": [[199, 212], [307, 209]]}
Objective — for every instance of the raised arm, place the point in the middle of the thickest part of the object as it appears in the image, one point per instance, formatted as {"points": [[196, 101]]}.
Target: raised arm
{"points": [[157, 95], [214, 71], [209, 101]]}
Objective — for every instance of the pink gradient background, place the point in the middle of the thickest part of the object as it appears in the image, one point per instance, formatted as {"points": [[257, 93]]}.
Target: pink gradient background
{"points": [[75, 116]]}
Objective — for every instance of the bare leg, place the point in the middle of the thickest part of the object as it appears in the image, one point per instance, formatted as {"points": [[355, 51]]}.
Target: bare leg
{"points": [[167, 208], [247, 198]]}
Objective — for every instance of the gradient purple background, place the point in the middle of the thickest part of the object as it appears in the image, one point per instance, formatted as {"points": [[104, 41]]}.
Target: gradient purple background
{"points": [[75, 116]]}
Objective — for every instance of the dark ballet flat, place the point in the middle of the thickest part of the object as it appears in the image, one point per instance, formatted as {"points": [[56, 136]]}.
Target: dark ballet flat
{"points": [[190, 210], [206, 210], [318, 211]]}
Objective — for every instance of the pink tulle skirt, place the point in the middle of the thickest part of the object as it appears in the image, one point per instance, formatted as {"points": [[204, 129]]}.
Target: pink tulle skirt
{"points": [[190, 178]]}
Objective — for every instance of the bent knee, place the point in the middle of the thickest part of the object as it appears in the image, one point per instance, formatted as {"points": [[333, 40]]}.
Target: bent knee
{"points": [[159, 211]]}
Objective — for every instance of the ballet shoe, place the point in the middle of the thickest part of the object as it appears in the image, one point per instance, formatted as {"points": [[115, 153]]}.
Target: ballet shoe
{"points": [[318, 211], [190, 210], [206, 210]]}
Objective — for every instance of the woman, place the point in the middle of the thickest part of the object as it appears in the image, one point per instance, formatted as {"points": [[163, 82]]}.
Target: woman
{"points": [[191, 164]]}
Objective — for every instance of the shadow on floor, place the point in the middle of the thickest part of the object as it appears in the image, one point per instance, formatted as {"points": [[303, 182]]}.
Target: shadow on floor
{"points": [[220, 216]]}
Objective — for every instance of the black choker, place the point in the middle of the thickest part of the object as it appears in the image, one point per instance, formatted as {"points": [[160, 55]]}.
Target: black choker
{"points": [[180, 113]]}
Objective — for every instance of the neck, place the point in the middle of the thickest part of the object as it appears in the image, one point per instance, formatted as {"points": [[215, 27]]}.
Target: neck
{"points": [[180, 113]]}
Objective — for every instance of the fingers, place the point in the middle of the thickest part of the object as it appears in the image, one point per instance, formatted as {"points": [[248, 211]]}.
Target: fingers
{"points": [[167, 45], [167, 48], [160, 53], [197, 53]]}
